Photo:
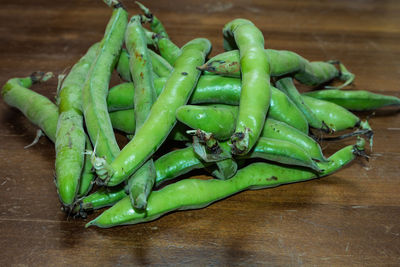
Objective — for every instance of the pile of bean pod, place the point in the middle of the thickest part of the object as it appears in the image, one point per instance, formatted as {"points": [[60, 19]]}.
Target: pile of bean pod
{"points": [[238, 116]]}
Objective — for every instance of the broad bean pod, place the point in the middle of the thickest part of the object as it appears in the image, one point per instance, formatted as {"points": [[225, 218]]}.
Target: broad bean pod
{"points": [[219, 120], [160, 66], [256, 88], [141, 182], [282, 63], [43, 113], [70, 137], [276, 150], [160, 121], [95, 89], [195, 194], [287, 86], [216, 89], [359, 100]]}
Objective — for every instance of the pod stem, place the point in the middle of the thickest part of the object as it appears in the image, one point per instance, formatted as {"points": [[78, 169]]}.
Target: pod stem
{"points": [[207, 147], [113, 3], [344, 75], [240, 142], [40, 76], [359, 148], [146, 11], [39, 133], [209, 66]]}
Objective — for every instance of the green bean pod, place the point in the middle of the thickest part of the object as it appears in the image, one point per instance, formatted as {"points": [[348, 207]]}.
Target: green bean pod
{"points": [[256, 88], [358, 100], [169, 166], [161, 120], [95, 89], [167, 49], [122, 66], [195, 193], [282, 131], [282, 151], [220, 119], [283, 63], [70, 136], [87, 176], [38, 109], [103, 197], [287, 86], [41, 112], [123, 120], [216, 89], [334, 116], [141, 182], [161, 67], [277, 150]]}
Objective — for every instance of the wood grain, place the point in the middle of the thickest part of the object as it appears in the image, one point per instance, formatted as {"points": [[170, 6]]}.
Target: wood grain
{"points": [[349, 218]]}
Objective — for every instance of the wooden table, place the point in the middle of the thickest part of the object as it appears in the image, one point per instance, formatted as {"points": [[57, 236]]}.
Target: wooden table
{"points": [[348, 218]]}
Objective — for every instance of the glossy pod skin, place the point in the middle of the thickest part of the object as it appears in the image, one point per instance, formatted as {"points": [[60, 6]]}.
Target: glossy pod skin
{"points": [[256, 88], [124, 121], [161, 67], [219, 90], [282, 131], [95, 89], [141, 182], [224, 116], [281, 63], [358, 100], [195, 194], [160, 122], [38, 109], [220, 121], [287, 86], [334, 116], [168, 50], [277, 150], [167, 167], [42, 112], [103, 197], [70, 137], [282, 151]]}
